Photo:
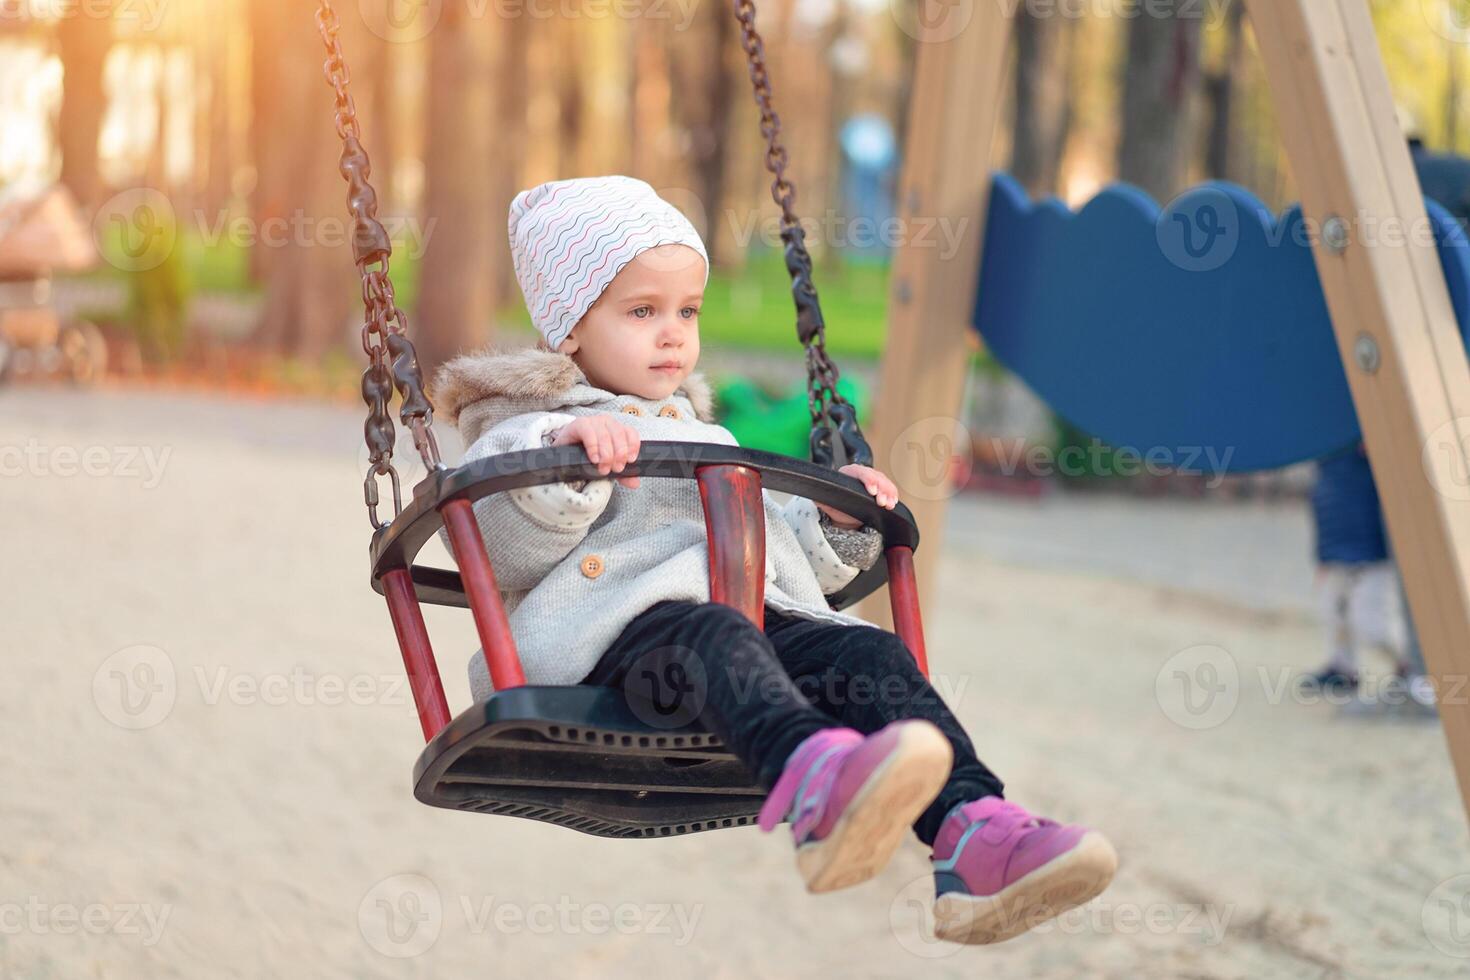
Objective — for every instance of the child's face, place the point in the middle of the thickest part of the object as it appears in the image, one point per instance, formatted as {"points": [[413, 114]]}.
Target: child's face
{"points": [[648, 316]]}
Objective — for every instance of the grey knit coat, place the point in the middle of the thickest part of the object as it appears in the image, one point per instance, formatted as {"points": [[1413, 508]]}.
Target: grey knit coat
{"points": [[576, 562]]}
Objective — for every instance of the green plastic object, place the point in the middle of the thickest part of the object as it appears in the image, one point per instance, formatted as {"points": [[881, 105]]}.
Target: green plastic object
{"points": [[777, 423]]}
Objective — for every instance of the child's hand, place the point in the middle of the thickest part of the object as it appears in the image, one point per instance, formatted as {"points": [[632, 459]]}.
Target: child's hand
{"points": [[610, 443], [878, 485]]}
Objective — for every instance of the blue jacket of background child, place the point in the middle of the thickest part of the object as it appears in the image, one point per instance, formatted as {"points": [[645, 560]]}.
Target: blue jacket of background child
{"points": [[1347, 511]]}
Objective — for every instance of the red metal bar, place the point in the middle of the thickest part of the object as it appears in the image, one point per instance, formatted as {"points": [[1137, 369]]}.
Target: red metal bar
{"points": [[735, 522], [903, 595], [483, 595], [418, 655]]}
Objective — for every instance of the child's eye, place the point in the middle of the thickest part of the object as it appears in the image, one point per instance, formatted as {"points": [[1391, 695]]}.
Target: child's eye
{"points": [[689, 312], [642, 312]]}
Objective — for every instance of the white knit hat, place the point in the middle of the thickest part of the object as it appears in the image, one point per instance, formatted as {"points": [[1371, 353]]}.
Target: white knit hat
{"points": [[570, 238]]}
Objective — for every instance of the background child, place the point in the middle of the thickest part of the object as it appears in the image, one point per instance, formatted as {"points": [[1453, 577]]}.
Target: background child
{"points": [[1359, 590], [607, 582], [1356, 586]]}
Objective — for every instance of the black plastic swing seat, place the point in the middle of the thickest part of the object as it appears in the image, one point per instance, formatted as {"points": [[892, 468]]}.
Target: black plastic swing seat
{"points": [[581, 757]]}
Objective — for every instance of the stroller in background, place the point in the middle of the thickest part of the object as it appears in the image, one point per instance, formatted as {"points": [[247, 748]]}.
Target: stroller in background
{"points": [[42, 232]]}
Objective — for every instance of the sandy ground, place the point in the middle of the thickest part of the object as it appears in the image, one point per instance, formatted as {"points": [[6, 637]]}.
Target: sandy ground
{"points": [[207, 746]]}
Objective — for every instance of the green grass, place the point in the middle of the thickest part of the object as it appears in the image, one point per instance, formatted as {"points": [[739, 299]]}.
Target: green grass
{"points": [[755, 309], [751, 308], [745, 308], [222, 268]]}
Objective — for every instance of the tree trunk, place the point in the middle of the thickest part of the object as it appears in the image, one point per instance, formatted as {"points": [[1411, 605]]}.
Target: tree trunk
{"points": [[685, 109], [1453, 98], [1160, 77], [83, 42], [602, 146], [514, 131], [651, 101], [1043, 104], [709, 124], [572, 106], [216, 115], [269, 115], [379, 80], [1221, 86], [463, 168], [303, 233], [824, 169]]}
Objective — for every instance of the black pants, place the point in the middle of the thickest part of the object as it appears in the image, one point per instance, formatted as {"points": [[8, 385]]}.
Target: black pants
{"points": [[763, 693]]}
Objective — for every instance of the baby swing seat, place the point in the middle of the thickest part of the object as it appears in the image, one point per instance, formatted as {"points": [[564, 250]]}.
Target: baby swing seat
{"points": [[597, 759]]}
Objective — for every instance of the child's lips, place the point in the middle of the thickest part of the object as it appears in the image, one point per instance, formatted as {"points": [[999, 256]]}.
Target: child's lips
{"points": [[667, 368]]}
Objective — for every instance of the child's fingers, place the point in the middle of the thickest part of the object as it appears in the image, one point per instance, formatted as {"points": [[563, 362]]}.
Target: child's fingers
{"points": [[599, 447], [882, 489], [890, 494], [631, 444], [627, 452], [877, 482], [607, 450], [617, 434]]}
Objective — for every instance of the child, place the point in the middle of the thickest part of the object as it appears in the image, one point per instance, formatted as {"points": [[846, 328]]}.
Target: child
{"points": [[603, 583], [1358, 587]]}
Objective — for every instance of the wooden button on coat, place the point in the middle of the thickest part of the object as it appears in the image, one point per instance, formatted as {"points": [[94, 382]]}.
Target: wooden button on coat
{"points": [[592, 566], [631, 409], [669, 412]]}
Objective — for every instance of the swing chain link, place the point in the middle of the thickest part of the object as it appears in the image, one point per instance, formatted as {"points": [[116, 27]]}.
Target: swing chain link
{"points": [[384, 330], [826, 404], [385, 327]]}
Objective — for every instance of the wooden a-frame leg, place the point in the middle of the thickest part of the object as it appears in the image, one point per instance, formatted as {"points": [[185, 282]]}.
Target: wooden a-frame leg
{"points": [[1396, 331], [958, 91]]}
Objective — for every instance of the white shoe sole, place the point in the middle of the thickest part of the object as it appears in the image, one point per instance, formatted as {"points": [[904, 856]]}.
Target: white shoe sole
{"points": [[1063, 883], [880, 813]]}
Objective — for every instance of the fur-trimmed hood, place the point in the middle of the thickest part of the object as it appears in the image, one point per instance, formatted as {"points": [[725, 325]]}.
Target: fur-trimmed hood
{"points": [[477, 391]]}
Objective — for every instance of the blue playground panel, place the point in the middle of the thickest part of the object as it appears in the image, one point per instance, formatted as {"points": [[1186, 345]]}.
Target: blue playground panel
{"points": [[1197, 334]]}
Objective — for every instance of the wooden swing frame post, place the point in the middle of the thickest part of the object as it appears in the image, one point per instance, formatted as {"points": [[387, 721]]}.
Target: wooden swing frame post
{"points": [[1405, 361], [1396, 331], [959, 75]]}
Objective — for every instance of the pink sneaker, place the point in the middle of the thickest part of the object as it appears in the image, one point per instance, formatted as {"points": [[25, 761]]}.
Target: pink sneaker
{"points": [[850, 799], [999, 871]]}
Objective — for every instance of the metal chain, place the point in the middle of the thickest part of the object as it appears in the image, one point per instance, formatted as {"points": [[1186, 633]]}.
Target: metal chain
{"points": [[384, 330], [385, 327], [826, 404]]}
